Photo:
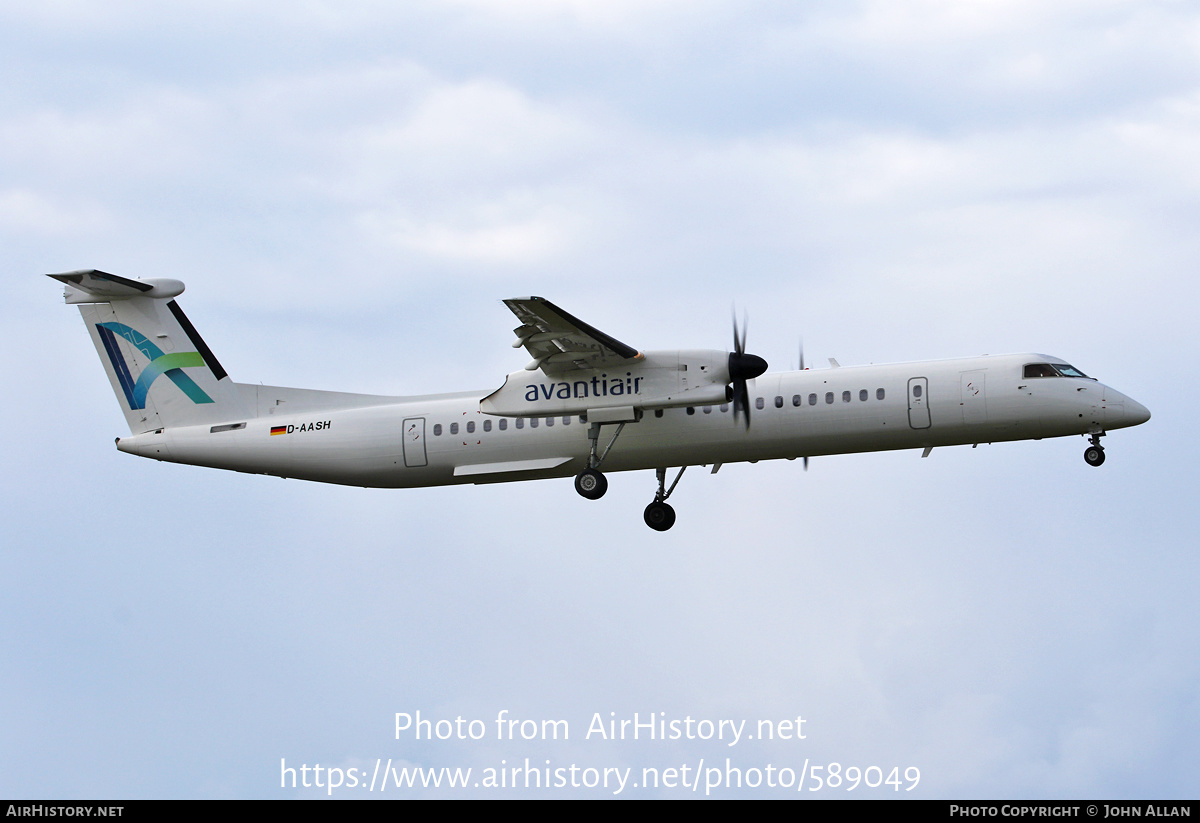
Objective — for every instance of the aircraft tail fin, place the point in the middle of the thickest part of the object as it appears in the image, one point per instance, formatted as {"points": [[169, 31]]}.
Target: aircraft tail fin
{"points": [[161, 370]]}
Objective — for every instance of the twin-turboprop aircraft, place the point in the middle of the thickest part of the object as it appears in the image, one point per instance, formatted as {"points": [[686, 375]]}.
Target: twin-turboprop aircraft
{"points": [[584, 402]]}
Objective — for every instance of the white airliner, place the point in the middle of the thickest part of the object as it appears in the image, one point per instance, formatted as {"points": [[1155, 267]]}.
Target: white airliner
{"points": [[584, 401]]}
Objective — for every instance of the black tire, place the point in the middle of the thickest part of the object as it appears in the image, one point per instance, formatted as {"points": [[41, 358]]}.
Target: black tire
{"points": [[591, 484], [659, 516], [1094, 455]]}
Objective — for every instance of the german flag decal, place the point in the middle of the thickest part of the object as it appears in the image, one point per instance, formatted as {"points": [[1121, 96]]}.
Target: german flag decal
{"points": [[278, 430]]}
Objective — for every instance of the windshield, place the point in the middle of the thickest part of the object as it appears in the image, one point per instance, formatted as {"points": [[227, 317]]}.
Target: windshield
{"points": [[1052, 370]]}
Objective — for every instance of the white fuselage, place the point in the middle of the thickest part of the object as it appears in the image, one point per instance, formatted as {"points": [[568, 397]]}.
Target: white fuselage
{"points": [[442, 439]]}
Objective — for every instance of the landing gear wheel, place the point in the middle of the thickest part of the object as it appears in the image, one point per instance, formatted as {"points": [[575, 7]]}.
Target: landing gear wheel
{"points": [[660, 516], [591, 484], [1094, 455]]}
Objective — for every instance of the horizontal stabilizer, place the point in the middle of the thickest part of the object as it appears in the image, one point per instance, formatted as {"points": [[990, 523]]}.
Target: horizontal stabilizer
{"points": [[93, 286]]}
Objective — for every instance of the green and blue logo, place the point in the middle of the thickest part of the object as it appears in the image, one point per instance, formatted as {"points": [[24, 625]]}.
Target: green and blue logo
{"points": [[172, 365]]}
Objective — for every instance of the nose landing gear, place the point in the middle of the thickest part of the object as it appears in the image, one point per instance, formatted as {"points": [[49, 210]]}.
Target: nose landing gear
{"points": [[1094, 454]]}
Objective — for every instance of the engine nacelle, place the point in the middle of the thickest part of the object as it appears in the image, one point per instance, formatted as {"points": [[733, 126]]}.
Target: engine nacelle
{"points": [[657, 381]]}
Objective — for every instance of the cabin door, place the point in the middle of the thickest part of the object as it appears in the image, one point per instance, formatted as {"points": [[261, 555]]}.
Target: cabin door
{"points": [[414, 442], [918, 402]]}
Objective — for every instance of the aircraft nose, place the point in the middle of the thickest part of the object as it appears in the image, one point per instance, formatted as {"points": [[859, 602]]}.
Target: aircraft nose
{"points": [[1135, 413], [1122, 412]]}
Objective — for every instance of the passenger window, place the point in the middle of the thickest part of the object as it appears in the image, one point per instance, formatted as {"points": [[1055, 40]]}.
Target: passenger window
{"points": [[879, 394], [812, 400], [691, 409], [470, 426], [533, 421], [567, 420], [917, 390], [724, 408], [658, 412], [797, 400], [862, 395], [487, 425], [454, 428], [758, 403], [845, 397], [778, 402], [828, 398], [503, 424], [437, 429], [520, 422], [708, 409]]}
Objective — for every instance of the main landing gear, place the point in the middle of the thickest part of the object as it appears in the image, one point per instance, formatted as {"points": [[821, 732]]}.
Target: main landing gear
{"points": [[659, 514], [1094, 454], [590, 483]]}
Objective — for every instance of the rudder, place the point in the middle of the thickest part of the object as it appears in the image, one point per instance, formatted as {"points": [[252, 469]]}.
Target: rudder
{"points": [[161, 370]]}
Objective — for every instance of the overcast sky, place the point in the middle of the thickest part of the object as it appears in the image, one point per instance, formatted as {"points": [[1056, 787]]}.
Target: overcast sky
{"points": [[349, 190]]}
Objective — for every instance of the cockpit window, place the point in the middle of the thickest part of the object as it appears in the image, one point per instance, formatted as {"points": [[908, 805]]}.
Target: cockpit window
{"points": [[1052, 370]]}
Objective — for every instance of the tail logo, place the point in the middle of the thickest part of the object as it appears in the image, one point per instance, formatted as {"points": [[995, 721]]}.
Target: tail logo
{"points": [[172, 365]]}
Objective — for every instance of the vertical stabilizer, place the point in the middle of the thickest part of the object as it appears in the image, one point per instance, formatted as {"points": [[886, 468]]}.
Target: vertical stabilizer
{"points": [[161, 370]]}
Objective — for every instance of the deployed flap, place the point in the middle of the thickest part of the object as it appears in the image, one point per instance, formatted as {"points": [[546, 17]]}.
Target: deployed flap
{"points": [[561, 342]]}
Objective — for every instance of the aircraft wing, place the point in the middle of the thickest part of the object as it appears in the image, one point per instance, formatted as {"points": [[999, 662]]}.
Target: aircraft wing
{"points": [[560, 342]]}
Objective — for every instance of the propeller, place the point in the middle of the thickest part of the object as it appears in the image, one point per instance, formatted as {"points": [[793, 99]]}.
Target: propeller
{"points": [[802, 369], [742, 367]]}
